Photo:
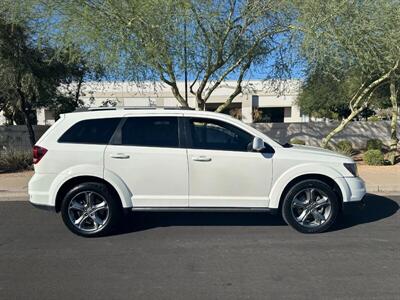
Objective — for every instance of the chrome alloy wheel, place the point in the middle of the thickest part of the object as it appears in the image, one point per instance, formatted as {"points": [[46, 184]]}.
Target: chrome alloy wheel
{"points": [[88, 211], [311, 207]]}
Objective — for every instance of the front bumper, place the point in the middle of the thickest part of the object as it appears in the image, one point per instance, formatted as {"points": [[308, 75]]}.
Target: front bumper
{"points": [[354, 194], [357, 189]]}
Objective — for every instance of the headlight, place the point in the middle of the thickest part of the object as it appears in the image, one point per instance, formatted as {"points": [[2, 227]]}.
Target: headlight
{"points": [[352, 168]]}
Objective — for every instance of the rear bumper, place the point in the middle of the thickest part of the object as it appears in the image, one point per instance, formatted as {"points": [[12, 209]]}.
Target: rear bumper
{"points": [[38, 190]]}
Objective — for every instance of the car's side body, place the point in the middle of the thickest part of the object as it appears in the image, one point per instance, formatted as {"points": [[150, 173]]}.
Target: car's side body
{"points": [[160, 159], [171, 177]]}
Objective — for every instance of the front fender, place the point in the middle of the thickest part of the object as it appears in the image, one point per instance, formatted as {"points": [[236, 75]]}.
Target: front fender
{"points": [[300, 170]]}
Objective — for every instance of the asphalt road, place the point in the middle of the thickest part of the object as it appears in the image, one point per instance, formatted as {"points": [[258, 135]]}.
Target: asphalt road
{"points": [[201, 256]]}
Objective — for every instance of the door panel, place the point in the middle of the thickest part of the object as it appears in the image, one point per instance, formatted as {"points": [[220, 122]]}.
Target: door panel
{"points": [[157, 177], [147, 155], [229, 178], [222, 170]]}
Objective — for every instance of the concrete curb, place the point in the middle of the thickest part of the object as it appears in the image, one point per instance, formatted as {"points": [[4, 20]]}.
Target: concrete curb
{"points": [[386, 189], [14, 199], [14, 196]]}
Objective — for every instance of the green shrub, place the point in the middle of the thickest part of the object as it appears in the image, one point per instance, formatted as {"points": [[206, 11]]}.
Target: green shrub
{"points": [[374, 157], [373, 118], [297, 142], [15, 160], [344, 147], [374, 144]]}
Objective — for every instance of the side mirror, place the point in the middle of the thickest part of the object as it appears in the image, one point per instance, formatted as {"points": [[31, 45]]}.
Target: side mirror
{"points": [[258, 144]]}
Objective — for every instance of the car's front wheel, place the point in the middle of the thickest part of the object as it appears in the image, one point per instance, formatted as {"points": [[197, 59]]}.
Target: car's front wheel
{"points": [[310, 206], [89, 209]]}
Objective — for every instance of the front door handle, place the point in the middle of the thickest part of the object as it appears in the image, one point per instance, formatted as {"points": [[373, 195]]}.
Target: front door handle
{"points": [[120, 156], [201, 158]]}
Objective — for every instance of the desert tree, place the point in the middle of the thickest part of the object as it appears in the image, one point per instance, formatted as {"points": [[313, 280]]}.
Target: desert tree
{"points": [[345, 37], [30, 76], [144, 41], [322, 97]]}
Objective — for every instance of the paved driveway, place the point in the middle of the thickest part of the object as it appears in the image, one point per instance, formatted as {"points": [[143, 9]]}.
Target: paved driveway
{"points": [[201, 256]]}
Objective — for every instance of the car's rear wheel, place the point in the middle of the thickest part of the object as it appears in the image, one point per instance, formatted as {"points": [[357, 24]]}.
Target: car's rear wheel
{"points": [[90, 210], [310, 206]]}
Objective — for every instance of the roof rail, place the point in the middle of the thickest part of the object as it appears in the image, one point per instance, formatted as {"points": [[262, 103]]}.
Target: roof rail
{"points": [[131, 108], [154, 107], [82, 109], [101, 108]]}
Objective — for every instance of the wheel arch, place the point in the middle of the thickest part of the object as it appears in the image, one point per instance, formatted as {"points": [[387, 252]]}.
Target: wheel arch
{"points": [[326, 179], [291, 177], [84, 173], [74, 181]]}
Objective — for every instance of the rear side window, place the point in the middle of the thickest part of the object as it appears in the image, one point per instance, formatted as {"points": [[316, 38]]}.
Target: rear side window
{"points": [[151, 132], [94, 131]]}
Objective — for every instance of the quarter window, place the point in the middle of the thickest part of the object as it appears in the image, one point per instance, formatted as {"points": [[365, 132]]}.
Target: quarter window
{"points": [[93, 131], [150, 132], [217, 135]]}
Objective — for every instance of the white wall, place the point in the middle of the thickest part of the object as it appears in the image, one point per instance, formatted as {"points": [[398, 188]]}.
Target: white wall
{"points": [[268, 95], [131, 94]]}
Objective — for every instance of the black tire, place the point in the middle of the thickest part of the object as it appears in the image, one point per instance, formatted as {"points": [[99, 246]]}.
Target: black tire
{"points": [[299, 213], [105, 216]]}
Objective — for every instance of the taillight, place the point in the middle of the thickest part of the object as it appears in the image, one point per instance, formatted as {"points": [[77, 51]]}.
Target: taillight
{"points": [[38, 153]]}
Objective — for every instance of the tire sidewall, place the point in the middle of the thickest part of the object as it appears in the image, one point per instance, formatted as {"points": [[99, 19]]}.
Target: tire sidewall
{"points": [[114, 208], [286, 207]]}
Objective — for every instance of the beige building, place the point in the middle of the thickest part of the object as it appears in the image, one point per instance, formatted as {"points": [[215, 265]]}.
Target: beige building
{"points": [[275, 102]]}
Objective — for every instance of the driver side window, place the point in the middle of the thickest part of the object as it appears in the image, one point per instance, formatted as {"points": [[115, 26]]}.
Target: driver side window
{"points": [[216, 135]]}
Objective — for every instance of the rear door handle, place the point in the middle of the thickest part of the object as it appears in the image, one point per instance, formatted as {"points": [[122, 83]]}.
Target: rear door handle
{"points": [[120, 156], [201, 158]]}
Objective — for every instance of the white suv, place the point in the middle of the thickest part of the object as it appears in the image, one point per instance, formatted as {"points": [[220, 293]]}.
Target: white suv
{"points": [[92, 166]]}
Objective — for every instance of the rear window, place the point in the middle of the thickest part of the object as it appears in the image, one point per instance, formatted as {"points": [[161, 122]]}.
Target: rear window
{"points": [[94, 131], [151, 132]]}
